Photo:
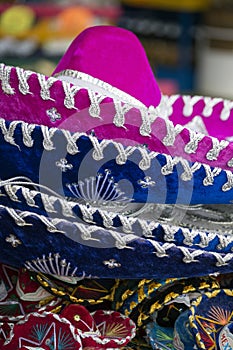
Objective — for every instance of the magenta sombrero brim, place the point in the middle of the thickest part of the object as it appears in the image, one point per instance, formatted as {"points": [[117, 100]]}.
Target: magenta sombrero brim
{"points": [[34, 98]]}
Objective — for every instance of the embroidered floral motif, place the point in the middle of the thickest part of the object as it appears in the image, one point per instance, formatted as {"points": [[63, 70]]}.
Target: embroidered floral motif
{"points": [[53, 114], [100, 190], [64, 165], [111, 264], [13, 240], [146, 182], [53, 265]]}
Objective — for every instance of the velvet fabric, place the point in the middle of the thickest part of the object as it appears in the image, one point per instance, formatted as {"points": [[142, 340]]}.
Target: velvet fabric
{"points": [[210, 320], [35, 246], [139, 186], [183, 336], [44, 331], [31, 97], [108, 53], [44, 161]]}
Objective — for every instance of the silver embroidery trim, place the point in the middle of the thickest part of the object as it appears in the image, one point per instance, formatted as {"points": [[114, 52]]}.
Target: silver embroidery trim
{"points": [[45, 85], [99, 146], [218, 146], [147, 115], [70, 92], [192, 145], [5, 72], [23, 76], [52, 265], [83, 77], [143, 227]]}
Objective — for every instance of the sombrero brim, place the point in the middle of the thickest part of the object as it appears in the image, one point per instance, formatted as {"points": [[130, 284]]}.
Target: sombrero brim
{"points": [[35, 98]]}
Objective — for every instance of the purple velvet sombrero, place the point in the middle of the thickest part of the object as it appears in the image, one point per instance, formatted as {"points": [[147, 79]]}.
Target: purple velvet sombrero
{"points": [[104, 83]]}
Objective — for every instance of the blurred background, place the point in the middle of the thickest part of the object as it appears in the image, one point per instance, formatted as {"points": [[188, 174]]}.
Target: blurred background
{"points": [[189, 43]]}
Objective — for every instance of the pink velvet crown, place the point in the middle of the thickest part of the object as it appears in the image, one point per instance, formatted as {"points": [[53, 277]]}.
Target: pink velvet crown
{"points": [[115, 56]]}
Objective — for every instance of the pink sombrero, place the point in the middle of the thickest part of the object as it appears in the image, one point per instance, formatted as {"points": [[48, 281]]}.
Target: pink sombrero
{"points": [[104, 83]]}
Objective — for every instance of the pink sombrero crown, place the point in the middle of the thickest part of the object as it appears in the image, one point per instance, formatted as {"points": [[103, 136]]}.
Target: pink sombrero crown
{"points": [[113, 56]]}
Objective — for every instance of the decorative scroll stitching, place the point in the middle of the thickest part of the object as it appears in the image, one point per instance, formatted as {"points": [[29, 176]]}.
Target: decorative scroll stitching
{"points": [[9, 133], [45, 84], [165, 108], [70, 92], [23, 76], [48, 202], [52, 264], [192, 145], [213, 154], [172, 132], [147, 117], [48, 133], [187, 175], [98, 147], [210, 175], [229, 184], [189, 256], [5, 72], [121, 110], [205, 238], [147, 157], [72, 147], [222, 260], [226, 111], [27, 130], [95, 99], [161, 249], [169, 166]]}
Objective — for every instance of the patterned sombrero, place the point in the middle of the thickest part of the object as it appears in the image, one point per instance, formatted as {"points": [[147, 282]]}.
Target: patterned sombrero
{"points": [[210, 320], [104, 83], [67, 195]]}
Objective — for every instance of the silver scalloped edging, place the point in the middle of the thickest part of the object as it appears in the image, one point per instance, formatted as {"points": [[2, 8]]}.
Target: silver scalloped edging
{"points": [[123, 152], [148, 115], [145, 227]]}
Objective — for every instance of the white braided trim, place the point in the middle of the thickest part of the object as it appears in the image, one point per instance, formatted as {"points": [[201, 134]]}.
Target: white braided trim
{"points": [[190, 237], [129, 225], [148, 115], [121, 240], [123, 152]]}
